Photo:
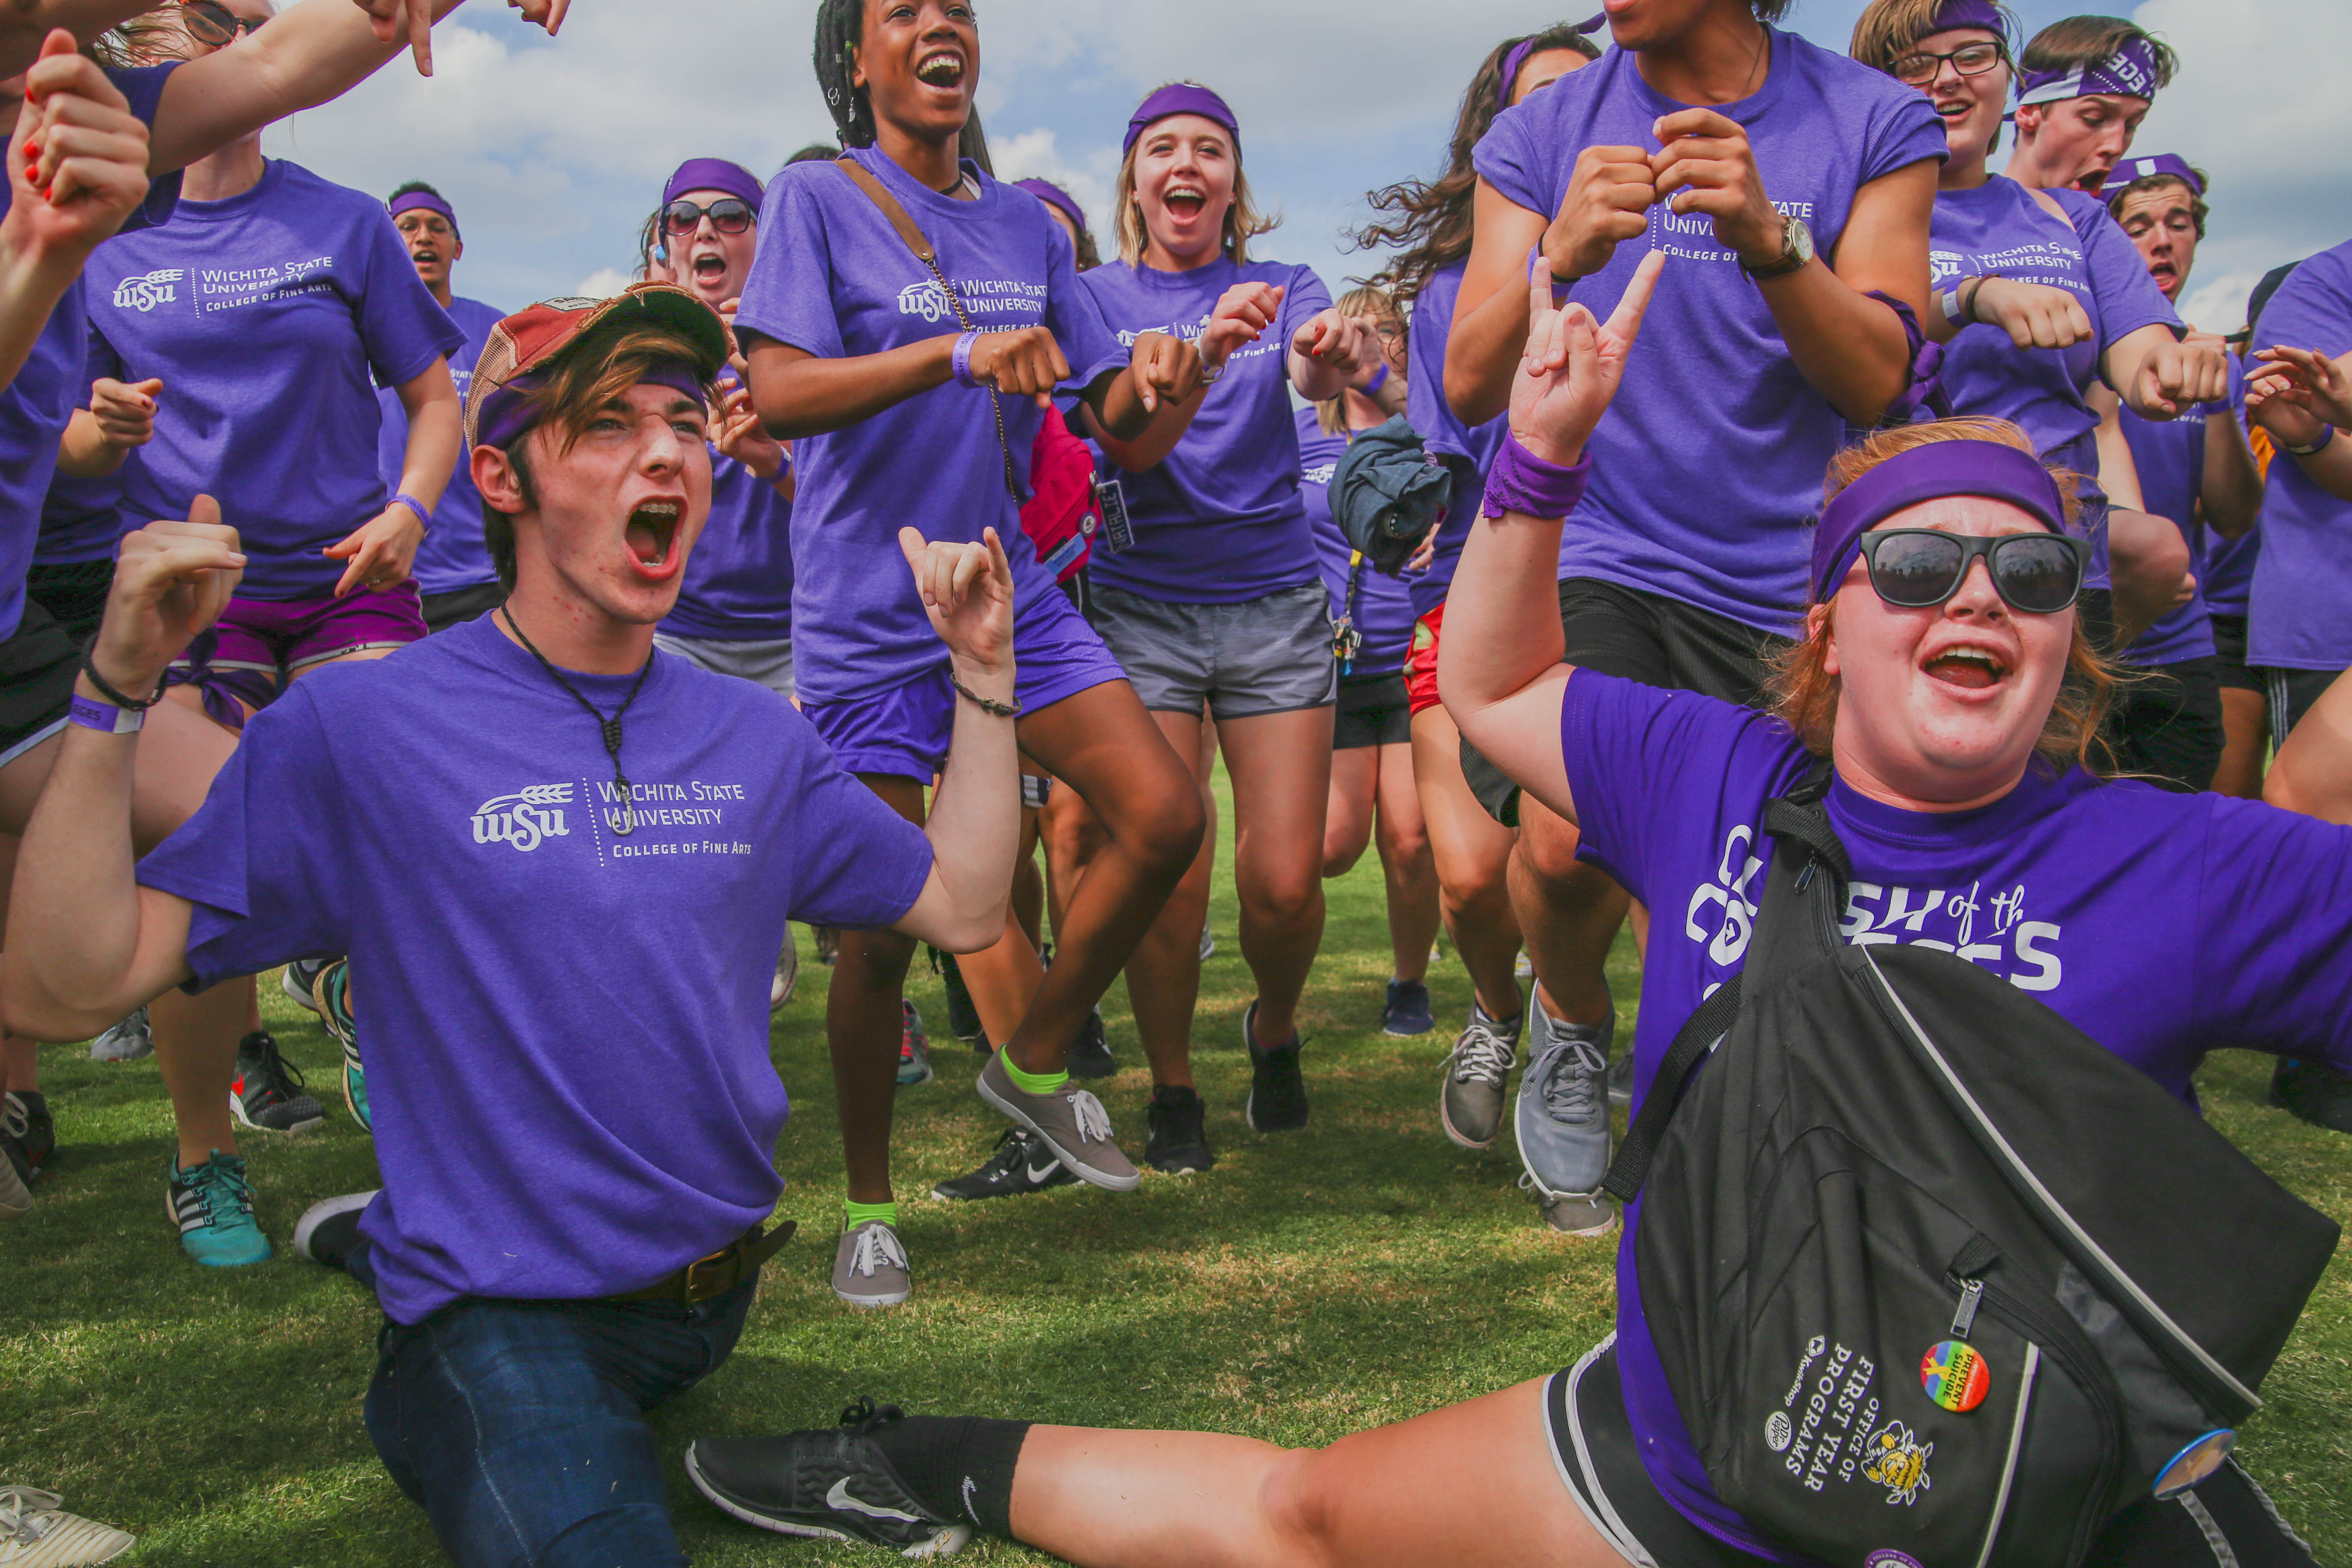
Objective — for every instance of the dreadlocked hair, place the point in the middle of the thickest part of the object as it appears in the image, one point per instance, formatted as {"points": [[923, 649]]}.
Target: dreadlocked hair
{"points": [[840, 28], [1433, 223]]}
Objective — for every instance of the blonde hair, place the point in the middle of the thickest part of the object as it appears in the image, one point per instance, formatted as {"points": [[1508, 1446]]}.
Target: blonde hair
{"points": [[1244, 221], [1364, 299], [1887, 28], [1804, 695]]}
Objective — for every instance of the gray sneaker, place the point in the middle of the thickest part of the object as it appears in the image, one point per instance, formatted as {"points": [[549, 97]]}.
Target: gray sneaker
{"points": [[869, 1268], [1471, 1104], [1072, 1123], [126, 1041], [1564, 1122], [788, 973]]}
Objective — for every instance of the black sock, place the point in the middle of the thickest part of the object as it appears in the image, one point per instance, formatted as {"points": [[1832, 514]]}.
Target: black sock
{"points": [[960, 1466]]}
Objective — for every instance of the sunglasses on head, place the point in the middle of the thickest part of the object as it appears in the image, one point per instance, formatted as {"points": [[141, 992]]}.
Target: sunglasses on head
{"points": [[727, 215], [1917, 568], [210, 21]]}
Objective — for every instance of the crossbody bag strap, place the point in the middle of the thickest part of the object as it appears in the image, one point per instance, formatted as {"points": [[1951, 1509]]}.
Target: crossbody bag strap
{"points": [[1696, 1038], [895, 213]]}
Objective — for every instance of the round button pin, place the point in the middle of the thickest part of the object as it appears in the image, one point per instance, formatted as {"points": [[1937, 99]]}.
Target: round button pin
{"points": [[1954, 1375]]}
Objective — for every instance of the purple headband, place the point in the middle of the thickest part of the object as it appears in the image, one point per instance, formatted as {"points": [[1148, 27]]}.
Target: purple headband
{"points": [[2129, 72], [507, 414], [1982, 14], [1925, 473], [713, 174], [2131, 169], [429, 202], [1178, 97], [1527, 45], [1052, 196]]}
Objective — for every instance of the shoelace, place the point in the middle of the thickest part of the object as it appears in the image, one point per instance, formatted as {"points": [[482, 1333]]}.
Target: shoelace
{"points": [[1568, 1090], [15, 1124], [863, 1416], [21, 1508], [1094, 1121], [274, 1069], [212, 1177], [876, 1245], [1484, 1053]]}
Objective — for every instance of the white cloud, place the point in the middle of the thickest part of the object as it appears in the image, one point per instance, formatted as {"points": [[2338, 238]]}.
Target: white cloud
{"points": [[603, 284]]}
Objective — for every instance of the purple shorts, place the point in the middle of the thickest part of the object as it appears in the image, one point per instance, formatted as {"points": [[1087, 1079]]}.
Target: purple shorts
{"points": [[903, 731], [258, 644]]}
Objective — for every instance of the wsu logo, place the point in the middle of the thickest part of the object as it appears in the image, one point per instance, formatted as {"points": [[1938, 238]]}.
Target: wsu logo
{"points": [[1943, 264], [925, 300], [523, 818], [144, 294]]}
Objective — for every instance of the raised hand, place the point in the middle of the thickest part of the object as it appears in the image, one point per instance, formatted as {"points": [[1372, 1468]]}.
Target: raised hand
{"points": [[2174, 377], [1026, 361], [125, 412], [381, 551], [1346, 344], [1569, 372], [1704, 164], [1165, 369], [967, 591], [78, 161], [1608, 202], [736, 431], [1241, 316], [172, 580], [2034, 315], [2305, 379]]}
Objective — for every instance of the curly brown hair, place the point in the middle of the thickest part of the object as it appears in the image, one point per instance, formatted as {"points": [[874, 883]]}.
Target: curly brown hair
{"points": [[1804, 695]]}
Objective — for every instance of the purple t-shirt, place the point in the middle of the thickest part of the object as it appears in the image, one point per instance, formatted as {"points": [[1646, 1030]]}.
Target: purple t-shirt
{"points": [[1467, 453], [833, 277], [1220, 521], [2170, 457], [739, 580], [1711, 385], [81, 519], [1383, 610], [56, 376], [2302, 581], [452, 555], [440, 816], [271, 317], [2229, 578], [2050, 887]]}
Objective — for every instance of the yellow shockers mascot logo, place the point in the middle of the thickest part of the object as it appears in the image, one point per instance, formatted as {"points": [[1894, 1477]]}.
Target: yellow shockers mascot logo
{"points": [[1899, 1463]]}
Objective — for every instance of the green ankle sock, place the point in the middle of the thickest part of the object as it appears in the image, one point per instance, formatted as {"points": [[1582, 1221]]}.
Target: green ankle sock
{"points": [[861, 1214], [1032, 1082]]}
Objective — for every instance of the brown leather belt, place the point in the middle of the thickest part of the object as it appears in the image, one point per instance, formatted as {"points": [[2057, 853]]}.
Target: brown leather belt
{"points": [[722, 1270]]}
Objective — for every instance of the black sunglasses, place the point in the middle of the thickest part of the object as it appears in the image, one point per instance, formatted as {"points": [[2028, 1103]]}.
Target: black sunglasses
{"points": [[1917, 568], [210, 21], [727, 215], [1968, 59]]}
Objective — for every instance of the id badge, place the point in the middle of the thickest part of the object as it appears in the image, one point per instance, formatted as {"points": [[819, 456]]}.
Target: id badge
{"points": [[1118, 533]]}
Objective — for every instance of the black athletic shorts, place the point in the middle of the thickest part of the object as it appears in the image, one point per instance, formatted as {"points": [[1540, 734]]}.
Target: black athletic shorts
{"points": [[37, 678], [1646, 638], [2167, 724], [2230, 655], [1373, 711], [2291, 693], [459, 606], [2226, 1522], [74, 592]]}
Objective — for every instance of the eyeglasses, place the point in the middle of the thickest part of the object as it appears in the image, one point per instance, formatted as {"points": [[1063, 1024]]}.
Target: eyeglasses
{"points": [[210, 21], [727, 215], [1968, 59], [1917, 568]]}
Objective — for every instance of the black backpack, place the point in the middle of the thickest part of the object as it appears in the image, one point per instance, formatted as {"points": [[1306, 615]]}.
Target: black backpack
{"points": [[1938, 1279]]}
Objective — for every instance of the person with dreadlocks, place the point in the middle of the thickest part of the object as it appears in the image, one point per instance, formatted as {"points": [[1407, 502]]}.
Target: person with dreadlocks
{"points": [[911, 381]]}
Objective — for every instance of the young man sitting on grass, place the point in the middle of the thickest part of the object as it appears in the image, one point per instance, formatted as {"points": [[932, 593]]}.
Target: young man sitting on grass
{"points": [[562, 863]]}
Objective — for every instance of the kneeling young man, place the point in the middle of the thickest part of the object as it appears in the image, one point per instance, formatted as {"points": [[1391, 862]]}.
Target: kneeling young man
{"points": [[562, 863]]}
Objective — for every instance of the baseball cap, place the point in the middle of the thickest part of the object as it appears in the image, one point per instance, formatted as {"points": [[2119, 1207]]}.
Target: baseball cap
{"points": [[533, 338]]}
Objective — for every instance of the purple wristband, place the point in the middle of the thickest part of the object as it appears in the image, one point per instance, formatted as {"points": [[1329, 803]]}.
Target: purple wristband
{"points": [[104, 717], [1522, 482], [1378, 381], [959, 359], [422, 515]]}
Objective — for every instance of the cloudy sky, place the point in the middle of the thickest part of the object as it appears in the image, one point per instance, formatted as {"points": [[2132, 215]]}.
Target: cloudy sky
{"points": [[553, 150]]}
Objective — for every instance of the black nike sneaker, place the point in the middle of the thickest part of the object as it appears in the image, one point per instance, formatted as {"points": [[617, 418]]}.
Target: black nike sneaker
{"points": [[1021, 1164], [1180, 1138], [1090, 1052], [834, 1484]]}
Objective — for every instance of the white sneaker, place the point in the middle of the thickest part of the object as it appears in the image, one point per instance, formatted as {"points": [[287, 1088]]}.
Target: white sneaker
{"points": [[788, 973], [36, 1534]]}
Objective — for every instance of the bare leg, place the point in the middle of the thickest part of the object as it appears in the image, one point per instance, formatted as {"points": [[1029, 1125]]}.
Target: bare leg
{"points": [[1163, 975], [861, 1027], [1281, 768], [1348, 814], [2246, 731], [1570, 911], [1073, 837], [1003, 979], [1406, 864], [1470, 1484], [1473, 854]]}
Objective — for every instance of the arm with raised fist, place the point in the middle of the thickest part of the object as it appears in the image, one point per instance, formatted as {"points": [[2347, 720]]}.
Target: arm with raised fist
{"points": [[121, 419], [85, 942]]}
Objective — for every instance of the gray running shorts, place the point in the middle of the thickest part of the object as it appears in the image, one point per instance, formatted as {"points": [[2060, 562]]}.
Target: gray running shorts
{"points": [[766, 661], [1261, 656]]}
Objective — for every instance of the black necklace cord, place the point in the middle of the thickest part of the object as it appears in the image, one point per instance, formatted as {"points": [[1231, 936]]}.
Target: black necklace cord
{"points": [[626, 822]]}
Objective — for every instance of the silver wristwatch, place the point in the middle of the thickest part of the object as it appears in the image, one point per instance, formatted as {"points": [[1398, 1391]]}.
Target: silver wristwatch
{"points": [[1796, 249]]}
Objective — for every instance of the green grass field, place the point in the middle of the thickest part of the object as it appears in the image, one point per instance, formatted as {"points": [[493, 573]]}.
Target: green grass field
{"points": [[1363, 1272]]}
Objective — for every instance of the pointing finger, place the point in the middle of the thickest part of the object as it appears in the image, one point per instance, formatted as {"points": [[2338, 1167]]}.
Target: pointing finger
{"points": [[1625, 321]]}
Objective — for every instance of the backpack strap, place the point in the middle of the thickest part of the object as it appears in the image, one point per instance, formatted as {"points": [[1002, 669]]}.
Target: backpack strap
{"points": [[1696, 1038]]}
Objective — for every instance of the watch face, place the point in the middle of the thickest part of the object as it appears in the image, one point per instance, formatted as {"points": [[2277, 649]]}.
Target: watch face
{"points": [[1800, 240]]}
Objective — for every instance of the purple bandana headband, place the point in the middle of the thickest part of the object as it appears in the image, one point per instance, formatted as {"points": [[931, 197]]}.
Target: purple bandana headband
{"points": [[1982, 14], [429, 202], [2129, 72], [1527, 45], [714, 174], [1927, 473], [1178, 97], [507, 414], [2132, 169], [1052, 196]]}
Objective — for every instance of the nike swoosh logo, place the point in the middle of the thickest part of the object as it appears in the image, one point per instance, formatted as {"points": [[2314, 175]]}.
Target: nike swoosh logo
{"points": [[1038, 1178], [839, 1497]]}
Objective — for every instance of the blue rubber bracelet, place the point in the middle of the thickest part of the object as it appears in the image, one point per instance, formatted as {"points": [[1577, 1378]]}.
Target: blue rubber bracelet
{"points": [[413, 504]]}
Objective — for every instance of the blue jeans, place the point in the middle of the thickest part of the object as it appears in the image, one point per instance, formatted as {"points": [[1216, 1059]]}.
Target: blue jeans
{"points": [[519, 1425]]}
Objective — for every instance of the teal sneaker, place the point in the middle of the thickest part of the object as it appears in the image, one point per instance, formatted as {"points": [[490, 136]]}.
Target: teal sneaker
{"points": [[332, 991], [213, 1206]]}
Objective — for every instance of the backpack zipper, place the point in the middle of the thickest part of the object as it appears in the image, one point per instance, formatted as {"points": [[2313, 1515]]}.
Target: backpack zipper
{"points": [[2069, 1344], [2218, 1385]]}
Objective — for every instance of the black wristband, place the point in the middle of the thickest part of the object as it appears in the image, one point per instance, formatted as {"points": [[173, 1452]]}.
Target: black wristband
{"points": [[106, 687], [988, 705], [1968, 304]]}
